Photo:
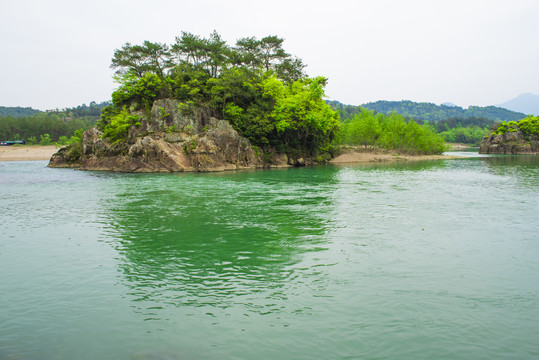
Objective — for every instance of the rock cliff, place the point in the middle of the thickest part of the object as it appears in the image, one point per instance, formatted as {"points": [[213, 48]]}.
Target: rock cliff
{"points": [[169, 140], [509, 143]]}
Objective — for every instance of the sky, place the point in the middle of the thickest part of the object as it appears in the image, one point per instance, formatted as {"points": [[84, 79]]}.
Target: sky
{"points": [[57, 53]]}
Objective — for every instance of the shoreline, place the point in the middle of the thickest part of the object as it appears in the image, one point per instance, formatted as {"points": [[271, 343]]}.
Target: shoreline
{"points": [[27, 152], [360, 155], [347, 156]]}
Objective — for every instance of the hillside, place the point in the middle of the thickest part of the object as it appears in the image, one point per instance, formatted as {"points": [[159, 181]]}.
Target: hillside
{"points": [[525, 103], [17, 111], [31, 125], [429, 111]]}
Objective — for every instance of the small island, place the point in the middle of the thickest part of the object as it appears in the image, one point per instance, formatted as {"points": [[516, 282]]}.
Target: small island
{"points": [[202, 105], [513, 138]]}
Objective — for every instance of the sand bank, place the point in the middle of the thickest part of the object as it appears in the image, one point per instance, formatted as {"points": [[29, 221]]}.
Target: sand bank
{"points": [[27, 152], [352, 156]]}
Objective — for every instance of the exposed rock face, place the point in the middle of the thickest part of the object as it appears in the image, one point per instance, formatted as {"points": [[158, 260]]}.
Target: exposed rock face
{"points": [[509, 143], [168, 141]]}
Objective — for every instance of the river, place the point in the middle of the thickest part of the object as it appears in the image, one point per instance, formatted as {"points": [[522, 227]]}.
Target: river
{"points": [[422, 260]]}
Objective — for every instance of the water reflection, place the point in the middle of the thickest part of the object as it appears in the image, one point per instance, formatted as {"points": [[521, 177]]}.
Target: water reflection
{"points": [[219, 240], [523, 169]]}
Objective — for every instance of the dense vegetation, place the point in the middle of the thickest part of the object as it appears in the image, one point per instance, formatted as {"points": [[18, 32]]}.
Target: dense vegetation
{"points": [[17, 111], [41, 128], [467, 130], [54, 126], [528, 126], [390, 132], [256, 85]]}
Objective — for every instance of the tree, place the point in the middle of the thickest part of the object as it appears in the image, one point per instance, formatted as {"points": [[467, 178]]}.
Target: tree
{"points": [[272, 51], [290, 69], [304, 122], [365, 128], [140, 59], [189, 48], [45, 139]]}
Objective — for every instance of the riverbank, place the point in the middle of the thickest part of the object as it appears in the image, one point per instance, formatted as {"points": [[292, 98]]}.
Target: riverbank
{"points": [[360, 155], [27, 152], [347, 156]]}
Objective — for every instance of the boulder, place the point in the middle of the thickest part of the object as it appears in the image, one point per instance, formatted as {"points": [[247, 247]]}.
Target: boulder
{"points": [[509, 143]]}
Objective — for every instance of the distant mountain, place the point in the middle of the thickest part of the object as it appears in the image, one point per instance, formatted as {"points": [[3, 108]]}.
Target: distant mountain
{"points": [[429, 111], [450, 104], [17, 111], [524, 103]]}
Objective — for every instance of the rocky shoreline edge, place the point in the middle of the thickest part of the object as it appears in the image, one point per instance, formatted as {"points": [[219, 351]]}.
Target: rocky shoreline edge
{"points": [[509, 143]]}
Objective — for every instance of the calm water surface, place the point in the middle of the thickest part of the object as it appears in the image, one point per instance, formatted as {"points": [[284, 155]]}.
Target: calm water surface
{"points": [[429, 260]]}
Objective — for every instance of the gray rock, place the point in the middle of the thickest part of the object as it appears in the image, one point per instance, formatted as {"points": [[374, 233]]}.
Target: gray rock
{"points": [[170, 140], [510, 143]]}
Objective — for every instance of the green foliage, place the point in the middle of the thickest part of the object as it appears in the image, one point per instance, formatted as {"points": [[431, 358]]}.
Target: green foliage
{"points": [[171, 129], [304, 122], [139, 92], [74, 152], [39, 124], [142, 59], [62, 140], [31, 140], [363, 129], [164, 114], [390, 132], [465, 135], [45, 139], [118, 127], [17, 111], [529, 127]]}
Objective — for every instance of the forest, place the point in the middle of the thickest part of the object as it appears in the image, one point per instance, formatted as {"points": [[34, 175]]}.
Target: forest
{"points": [[17, 111], [454, 129], [431, 112], [53, 126], [391, 131]]}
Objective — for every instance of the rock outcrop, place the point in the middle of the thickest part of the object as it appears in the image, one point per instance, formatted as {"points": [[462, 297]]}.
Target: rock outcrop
{"points": [[510, 143], [169, 140]]}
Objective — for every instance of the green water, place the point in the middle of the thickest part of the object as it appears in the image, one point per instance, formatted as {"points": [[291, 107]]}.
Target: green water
{"points": [[430, 260]]}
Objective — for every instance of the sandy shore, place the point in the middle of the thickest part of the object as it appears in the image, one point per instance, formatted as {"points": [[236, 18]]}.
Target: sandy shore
{"points": [[353, 156], [28, 152]]}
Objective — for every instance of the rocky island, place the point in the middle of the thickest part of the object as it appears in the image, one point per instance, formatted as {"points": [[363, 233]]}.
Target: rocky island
{"points": [[202, 105], [513, 138], [169, 141]]}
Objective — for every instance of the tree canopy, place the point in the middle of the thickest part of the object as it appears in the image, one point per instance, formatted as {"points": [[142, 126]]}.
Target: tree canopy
{"points": [[255, 84], [390, 131]]}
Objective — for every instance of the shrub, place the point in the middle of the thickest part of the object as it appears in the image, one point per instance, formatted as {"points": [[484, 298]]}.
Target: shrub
{"points": [[31, 140], [118, 128], [74, 152], [529, 127], [45, 140]]}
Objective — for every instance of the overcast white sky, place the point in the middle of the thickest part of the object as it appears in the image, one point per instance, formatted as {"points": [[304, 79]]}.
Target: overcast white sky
{"points": [[56, 53]]}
